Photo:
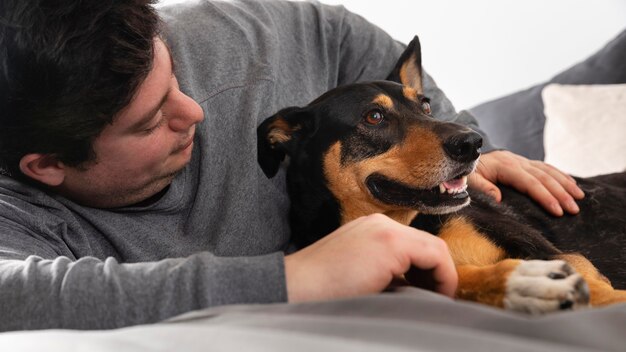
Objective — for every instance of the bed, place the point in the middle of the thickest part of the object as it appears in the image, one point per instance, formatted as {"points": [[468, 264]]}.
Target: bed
{"points": [[406, 320]]}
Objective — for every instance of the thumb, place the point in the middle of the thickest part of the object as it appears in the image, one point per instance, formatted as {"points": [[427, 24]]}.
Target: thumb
{"points": [[479, 183]]}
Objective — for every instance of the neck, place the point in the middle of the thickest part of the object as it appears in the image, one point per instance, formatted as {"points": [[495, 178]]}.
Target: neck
{"points": [[316, 211], [400, 215]]}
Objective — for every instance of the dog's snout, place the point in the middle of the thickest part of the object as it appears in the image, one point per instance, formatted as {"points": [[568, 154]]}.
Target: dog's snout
{"points": [[464, 146]]}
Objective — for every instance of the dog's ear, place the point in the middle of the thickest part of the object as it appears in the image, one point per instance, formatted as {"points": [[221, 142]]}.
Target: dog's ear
{"points": [[280, 135], [408, 70]]}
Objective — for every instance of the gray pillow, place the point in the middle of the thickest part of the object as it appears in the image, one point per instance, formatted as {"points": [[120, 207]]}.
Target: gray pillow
{"points": [[515, 122]]}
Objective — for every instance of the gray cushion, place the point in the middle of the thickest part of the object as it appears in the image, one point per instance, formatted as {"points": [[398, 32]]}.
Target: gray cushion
{"points": [[515, 122]]}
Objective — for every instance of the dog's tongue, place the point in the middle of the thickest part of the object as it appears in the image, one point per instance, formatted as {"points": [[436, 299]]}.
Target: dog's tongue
{"points": [[455, 183]]}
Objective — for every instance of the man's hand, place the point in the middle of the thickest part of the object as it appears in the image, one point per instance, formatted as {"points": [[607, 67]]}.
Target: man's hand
{"points": [[544, 183], [363, 257]]}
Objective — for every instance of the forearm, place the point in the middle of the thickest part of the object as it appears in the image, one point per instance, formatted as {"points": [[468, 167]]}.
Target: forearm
{"points": [[92, 294]]}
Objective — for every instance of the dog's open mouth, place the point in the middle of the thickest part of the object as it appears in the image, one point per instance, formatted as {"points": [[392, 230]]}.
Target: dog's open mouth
{"points": [[447, 196]]}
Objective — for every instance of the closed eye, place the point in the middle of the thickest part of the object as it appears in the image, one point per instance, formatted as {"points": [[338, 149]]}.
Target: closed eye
{"points": [[158, 125]]}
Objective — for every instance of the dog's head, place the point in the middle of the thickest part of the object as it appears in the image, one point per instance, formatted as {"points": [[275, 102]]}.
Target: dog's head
{"points": [[374, 147]]}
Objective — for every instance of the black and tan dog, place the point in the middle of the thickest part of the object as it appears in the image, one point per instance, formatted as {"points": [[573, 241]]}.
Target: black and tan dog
{"points": [[375, 148]]}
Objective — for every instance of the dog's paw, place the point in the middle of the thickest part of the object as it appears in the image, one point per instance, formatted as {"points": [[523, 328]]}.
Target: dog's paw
{"points": [[539, 286]]}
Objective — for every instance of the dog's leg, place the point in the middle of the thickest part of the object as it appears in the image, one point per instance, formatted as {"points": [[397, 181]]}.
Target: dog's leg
{"points": [[487, 276], [531, 286], [601, 290]]}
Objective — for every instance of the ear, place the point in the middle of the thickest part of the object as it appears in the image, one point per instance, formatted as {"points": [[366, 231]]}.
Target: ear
{"points": [[282, 134], [44, 168], [408, 70]]}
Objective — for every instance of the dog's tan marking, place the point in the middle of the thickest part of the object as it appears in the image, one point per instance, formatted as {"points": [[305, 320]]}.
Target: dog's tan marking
{"points": [[403, 216], [485, 284], [384, 101], [410, 74], [280, 131], [422, 156], [345, 182], [409, 93], [481, 264], [467, 245], [419, 161], [600, 288]]}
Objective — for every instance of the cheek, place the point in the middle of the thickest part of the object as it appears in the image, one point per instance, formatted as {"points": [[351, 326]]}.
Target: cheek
{"points": [[152, 151], [133, 155]]}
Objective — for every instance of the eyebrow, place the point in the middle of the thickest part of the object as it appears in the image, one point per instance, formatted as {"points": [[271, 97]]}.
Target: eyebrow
{"points": [[147, 117]]}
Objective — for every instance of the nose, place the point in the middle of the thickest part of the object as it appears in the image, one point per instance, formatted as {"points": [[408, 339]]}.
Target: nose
{"points": [[186, 112], [464, 146]]}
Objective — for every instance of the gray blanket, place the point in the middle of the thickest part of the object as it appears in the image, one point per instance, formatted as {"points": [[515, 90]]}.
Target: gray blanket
{"points": [[409, 319]]}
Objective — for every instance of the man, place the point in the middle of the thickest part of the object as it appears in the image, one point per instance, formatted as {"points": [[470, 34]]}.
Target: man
{"points": [[131, 189]]}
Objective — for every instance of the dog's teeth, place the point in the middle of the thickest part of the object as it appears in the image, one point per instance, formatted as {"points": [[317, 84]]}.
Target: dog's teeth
{"points": [[462, 188]]}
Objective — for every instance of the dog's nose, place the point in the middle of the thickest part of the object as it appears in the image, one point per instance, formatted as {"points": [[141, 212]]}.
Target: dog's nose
{"points": [[464, 146]]}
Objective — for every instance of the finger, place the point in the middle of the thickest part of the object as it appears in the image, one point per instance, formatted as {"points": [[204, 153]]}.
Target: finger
{"points": [[436, 257], [567, 181], [446, 277], [479, 183], [568, 176], [529, 184], [556, 190]]}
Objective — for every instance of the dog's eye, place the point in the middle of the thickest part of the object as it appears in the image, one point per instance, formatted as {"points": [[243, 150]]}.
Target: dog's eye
{"points": [[374, 117], [426, 107]]}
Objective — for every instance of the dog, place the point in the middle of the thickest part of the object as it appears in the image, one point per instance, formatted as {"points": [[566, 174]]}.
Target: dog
{"points": [[373, 147]]}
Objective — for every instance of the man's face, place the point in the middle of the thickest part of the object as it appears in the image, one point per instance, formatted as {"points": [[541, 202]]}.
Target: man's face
{"points": [[149, 142]]}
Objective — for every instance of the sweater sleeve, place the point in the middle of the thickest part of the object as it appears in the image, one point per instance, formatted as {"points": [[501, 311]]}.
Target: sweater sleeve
{"points": [[369, 53], [48, 290]]}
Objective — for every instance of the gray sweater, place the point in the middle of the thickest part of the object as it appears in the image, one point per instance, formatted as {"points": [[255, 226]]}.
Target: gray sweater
{"points": [[218, 234]]}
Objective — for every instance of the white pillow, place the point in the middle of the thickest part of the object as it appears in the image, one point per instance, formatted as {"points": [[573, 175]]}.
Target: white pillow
{"points": [[585, 131]]}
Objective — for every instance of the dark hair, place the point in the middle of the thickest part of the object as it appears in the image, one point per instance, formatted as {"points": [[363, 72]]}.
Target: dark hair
{"points": [[66, 69]]}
